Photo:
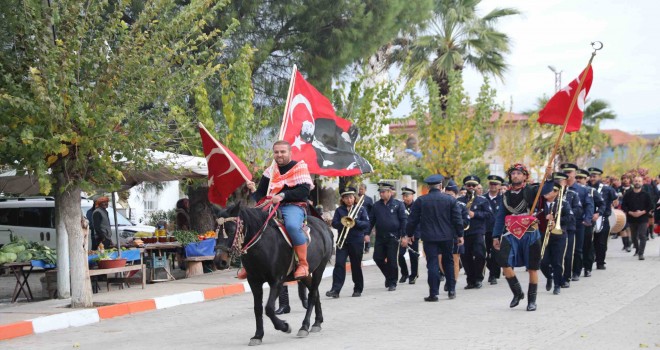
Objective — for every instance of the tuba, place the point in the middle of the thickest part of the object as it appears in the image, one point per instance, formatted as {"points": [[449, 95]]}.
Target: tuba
{"points": [[349, 222]]}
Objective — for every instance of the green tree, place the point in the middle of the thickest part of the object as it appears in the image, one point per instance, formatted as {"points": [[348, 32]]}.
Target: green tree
{"points": [[453, 141], [321, 37], [455, 37], [85, 94], [640, 154]]}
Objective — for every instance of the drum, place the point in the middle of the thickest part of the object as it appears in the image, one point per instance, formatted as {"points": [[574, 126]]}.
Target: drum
{"points": [[619, 218]]}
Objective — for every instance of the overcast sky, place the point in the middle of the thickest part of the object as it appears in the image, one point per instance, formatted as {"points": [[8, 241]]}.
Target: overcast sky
{"points": [[559, 33]]}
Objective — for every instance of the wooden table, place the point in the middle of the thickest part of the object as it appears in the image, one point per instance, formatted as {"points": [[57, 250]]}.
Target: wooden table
{"points": [[194, 265], [21, 274]]}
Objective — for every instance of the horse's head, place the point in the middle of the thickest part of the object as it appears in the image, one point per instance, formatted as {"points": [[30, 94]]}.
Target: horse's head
{"points": [[228, 223]]}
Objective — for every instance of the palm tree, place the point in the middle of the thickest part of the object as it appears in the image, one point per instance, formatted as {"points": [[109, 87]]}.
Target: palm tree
{"points": [[455, 37]]}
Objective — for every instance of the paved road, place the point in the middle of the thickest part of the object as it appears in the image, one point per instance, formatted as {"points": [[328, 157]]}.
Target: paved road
{"points": [[615, 309]]}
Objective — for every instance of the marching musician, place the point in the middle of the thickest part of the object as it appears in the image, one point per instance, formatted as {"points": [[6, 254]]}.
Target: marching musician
{"points": [[479, 212], [585, 256], [368, 204], [353, 246], [583, 214], [521, 245], [494, 197], [573, 199], [389, 217], [408, 196], [439, 219], [609, 196], [457, 250], [554, 211]]}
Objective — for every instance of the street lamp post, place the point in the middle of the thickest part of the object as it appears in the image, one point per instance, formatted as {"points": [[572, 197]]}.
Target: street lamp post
{"points": [[557, 77]]}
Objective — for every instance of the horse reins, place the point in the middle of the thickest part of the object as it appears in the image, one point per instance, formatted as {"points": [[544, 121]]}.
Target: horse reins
{"points": [[237, 247]]}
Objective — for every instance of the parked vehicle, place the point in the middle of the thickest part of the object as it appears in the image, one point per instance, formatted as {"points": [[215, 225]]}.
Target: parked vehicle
{"points": [[33, 218]]}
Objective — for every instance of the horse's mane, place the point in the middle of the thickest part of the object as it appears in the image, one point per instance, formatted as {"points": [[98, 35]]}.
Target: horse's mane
{"points": [[253, 218]]}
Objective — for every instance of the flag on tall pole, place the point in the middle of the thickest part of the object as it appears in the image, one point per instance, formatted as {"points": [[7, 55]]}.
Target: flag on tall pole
{"points": [[587, 75], [317, 135], [226, 171], [557, 108]]}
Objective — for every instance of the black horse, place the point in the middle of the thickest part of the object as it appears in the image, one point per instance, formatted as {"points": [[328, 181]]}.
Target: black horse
{"points": [[267, 257]]}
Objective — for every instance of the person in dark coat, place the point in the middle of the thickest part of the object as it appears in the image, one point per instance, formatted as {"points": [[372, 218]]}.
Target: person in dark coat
{"points": [[604, 210], [474, 257], [389, 218], [408, 196], [368, 204], [439, 218], [101, 222], [493, 197], [183, 214], [353, 245], [637, 205], [552, 261]]}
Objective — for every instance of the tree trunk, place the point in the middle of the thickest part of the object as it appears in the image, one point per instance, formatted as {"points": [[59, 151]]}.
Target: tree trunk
{"points": [[201, 210], [68, 216]]}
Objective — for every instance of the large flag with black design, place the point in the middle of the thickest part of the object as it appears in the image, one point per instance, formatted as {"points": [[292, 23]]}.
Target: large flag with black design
{"points": [[556, 109], [318, 136], [226, 171]]}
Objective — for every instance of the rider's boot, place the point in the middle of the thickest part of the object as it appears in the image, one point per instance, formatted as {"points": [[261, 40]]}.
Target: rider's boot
{"points": [[302, 270]]}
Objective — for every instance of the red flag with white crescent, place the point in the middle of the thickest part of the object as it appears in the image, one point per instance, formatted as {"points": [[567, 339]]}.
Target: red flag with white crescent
{"points": [[226, 171], [556, 109], [318, 136]]}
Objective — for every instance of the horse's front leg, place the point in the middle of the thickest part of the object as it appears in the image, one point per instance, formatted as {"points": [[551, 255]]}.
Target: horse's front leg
{"points": [[257, 294], [313, 297], [280, 325], [316, 282]]}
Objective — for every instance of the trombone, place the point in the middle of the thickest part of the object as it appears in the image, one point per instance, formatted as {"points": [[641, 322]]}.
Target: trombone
{"points": [[349, 222], [554, 225]]}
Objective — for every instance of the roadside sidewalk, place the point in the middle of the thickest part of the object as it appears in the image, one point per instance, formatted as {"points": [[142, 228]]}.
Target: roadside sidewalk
{"points": [[44, 316]]}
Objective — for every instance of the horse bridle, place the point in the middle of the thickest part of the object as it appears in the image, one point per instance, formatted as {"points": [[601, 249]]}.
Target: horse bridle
{"points": [[237, 248]]}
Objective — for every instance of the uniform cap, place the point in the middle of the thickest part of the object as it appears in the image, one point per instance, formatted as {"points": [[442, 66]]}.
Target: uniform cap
{"points": [[407, 190], [347, 191], [550, 186], [595, 171], [385, 186], [582, 173], [471, 179], [568, 167], [559, 176], [495, 178], [434, 179]]}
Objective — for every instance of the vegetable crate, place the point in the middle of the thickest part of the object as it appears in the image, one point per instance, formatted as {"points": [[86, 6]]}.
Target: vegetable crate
{"points": [[154, 262]]}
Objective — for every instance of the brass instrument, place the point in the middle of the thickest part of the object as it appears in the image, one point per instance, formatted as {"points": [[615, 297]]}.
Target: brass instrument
{"points": [[349, 222], [554, 225], [468, 205]]}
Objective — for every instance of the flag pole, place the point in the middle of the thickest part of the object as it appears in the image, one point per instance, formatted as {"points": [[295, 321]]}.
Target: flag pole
{"points": [[288, 99], [225, 152], [284, 118], [597, 45]]}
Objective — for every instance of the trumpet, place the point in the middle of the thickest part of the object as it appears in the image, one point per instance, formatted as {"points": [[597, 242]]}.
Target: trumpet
{"points": [[468, 205], [349, 222]]}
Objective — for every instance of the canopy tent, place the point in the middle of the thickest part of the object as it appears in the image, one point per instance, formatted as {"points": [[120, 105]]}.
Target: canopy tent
{"points": [[166, 167]]}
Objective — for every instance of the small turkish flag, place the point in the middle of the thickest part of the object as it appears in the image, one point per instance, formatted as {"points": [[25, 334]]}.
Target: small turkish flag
{"points": [[226, 171], [556, 109]]}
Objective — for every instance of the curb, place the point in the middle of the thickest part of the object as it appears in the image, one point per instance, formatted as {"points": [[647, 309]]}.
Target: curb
{"points": [[84, 317]]}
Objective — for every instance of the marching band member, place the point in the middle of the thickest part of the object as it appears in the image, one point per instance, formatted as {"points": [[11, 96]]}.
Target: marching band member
{"points": [[353, 246], [439, 218], [474, 257]]}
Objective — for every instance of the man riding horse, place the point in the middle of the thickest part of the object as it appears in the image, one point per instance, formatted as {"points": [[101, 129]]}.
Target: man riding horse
{"points": [[288, 183]]}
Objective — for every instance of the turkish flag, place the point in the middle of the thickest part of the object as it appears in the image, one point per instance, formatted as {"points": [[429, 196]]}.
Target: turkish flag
{"points": [[556, 109], [318, 136], [226, 171]]}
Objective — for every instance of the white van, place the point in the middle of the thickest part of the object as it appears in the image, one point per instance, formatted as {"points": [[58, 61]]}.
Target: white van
{"points": [[33, 218]]}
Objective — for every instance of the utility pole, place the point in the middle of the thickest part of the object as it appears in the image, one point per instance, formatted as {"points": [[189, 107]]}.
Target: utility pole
{"points": [[557, 77]]}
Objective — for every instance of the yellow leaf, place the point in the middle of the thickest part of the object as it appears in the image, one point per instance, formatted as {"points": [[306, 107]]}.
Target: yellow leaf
{"points": [[52, 159]]}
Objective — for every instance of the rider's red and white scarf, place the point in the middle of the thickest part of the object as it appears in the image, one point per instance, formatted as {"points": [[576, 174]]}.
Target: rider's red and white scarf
{"points": [[298, 175]]}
